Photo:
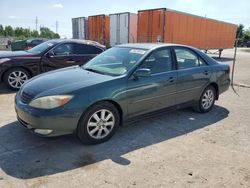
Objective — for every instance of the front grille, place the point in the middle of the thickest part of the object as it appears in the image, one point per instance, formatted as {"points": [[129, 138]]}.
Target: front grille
{"points": [[26, 98]]}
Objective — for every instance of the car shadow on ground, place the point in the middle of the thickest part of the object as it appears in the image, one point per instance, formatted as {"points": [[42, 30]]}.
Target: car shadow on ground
{"points": [[4, 89], [25, 156]]}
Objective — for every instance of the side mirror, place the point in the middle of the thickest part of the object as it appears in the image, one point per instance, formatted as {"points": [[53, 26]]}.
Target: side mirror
{"points": [[50, 54], [142, 73]]}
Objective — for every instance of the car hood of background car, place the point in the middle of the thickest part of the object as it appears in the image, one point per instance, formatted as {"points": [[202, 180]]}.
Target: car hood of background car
{"points": [[10, 54], [63, 81]]}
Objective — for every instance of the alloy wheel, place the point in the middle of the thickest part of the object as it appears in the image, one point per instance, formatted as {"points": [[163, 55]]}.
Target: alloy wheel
{"points": [[207, 99], [17, 78], [100, 124]]}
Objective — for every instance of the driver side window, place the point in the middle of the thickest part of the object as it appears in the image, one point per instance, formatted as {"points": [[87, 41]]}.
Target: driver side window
{"points": [[63, 50], [158, 61]]}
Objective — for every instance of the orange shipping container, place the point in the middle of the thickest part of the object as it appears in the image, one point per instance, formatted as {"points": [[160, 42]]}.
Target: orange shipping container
{"points": [[98, 27], [164, 25]]}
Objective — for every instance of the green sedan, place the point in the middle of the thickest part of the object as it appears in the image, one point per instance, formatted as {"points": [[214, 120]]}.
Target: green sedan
{"points": [[122, 84]]}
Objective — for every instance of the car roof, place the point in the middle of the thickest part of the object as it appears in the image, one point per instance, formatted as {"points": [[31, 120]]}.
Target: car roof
{"points": [[149, 46], [79, 41]]}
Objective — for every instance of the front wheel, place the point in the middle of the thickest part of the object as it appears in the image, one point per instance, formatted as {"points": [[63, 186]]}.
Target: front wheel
{"points": [[99, 123], [206, 101], [15, 78]]}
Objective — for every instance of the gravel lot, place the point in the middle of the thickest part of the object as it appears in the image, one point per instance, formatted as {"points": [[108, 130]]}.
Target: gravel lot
{"points": [[178, 149]]}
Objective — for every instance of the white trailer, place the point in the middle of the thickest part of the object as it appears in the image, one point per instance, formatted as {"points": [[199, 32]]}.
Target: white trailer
{"points": [[123, 28], [80, 28]]}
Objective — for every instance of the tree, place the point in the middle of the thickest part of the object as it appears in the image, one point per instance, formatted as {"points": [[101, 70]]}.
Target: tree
{"points": [[56, 36], [47, 33], [246, 35], [1, 30], [240, 31], [8, 31], [24, 33], [34, 33]]}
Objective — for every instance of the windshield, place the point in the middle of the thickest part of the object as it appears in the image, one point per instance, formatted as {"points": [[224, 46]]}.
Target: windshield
{"points": [[41, 47], [115, 61]]}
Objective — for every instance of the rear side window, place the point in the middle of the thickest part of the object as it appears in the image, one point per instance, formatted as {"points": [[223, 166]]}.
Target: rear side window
{"points": [[159, 61], [187, 59], [81, 49]]}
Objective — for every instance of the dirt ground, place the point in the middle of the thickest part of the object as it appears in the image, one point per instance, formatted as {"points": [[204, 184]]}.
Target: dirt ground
{"points": [[178, 149]]}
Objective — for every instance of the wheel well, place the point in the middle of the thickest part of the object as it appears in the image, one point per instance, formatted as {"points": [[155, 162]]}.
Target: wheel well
{"points": [[216, 90], [118, 108], [15, 68]]}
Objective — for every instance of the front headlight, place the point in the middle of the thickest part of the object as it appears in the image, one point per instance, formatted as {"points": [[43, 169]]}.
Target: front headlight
{"points": [[50, 102]]}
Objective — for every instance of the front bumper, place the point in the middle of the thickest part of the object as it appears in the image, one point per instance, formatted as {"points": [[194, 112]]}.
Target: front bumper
{"points": [[61, 120]]}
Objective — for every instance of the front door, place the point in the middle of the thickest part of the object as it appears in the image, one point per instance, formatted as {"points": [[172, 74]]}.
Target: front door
{"points": [[61, 56], [157, 91]]}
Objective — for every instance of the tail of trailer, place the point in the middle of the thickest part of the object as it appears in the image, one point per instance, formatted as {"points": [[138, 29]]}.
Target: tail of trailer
{"points": [[164, 25], [98, 27], [80, 28], [123, 28]]}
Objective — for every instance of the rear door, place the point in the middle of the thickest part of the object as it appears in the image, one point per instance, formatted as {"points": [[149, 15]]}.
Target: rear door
{"points": [[157, 91], [193, 75], [84, 53]]}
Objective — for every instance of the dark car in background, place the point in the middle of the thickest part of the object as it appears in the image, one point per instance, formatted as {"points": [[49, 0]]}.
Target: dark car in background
{"points": [[25, 44], [117, 86], [31, 43], [17, 67]]}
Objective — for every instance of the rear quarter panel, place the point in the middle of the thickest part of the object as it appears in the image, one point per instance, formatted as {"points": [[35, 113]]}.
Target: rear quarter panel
{"points": [[222, 76]]}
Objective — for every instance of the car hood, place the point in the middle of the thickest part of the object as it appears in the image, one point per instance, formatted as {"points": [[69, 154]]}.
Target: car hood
{"points": [[9, 54], [63, 81]]}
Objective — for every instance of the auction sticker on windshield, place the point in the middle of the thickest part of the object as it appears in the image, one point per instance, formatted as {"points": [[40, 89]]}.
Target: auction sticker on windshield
{"points": [[137, 51]]}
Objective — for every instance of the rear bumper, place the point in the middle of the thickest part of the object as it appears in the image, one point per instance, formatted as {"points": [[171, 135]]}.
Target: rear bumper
{"points": [[61, 121]]}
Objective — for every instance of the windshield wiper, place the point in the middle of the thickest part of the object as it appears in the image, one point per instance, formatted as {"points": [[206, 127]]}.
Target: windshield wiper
{"points": [[93, 70]]}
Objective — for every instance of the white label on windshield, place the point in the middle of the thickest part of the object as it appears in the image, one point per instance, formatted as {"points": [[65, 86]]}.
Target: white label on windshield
{"points": [[50, 44], [137, 51]]}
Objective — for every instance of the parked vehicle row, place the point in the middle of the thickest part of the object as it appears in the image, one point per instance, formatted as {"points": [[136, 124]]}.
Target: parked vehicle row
{"points": [[121, 84], [17, 67]]}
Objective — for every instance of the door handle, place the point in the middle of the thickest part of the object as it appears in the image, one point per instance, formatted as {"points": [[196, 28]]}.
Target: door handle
{"points": [[206, 72], [70, 61], [171, 79]]}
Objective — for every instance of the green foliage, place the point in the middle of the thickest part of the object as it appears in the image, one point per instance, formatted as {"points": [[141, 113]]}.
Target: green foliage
{"points": [[23, 33], [243, 35], [8, 31], [47, 33], [1, 30], [240, 30]]}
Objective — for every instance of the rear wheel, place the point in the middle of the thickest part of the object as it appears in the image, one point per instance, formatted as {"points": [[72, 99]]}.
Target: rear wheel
{"points": [[99, 123], [15, 78], [206, 101]]}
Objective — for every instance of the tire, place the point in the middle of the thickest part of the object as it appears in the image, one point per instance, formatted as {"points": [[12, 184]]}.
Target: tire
{"points": [[15, 77], [206, 101], [93, 128]]}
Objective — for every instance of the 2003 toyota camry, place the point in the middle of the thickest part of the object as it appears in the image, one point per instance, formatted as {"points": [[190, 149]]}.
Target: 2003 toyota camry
{"points": [[118, 85]]}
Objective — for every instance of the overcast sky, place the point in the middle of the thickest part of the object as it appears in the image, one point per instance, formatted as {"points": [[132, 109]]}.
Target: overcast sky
{"points": [[23, 13]]}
